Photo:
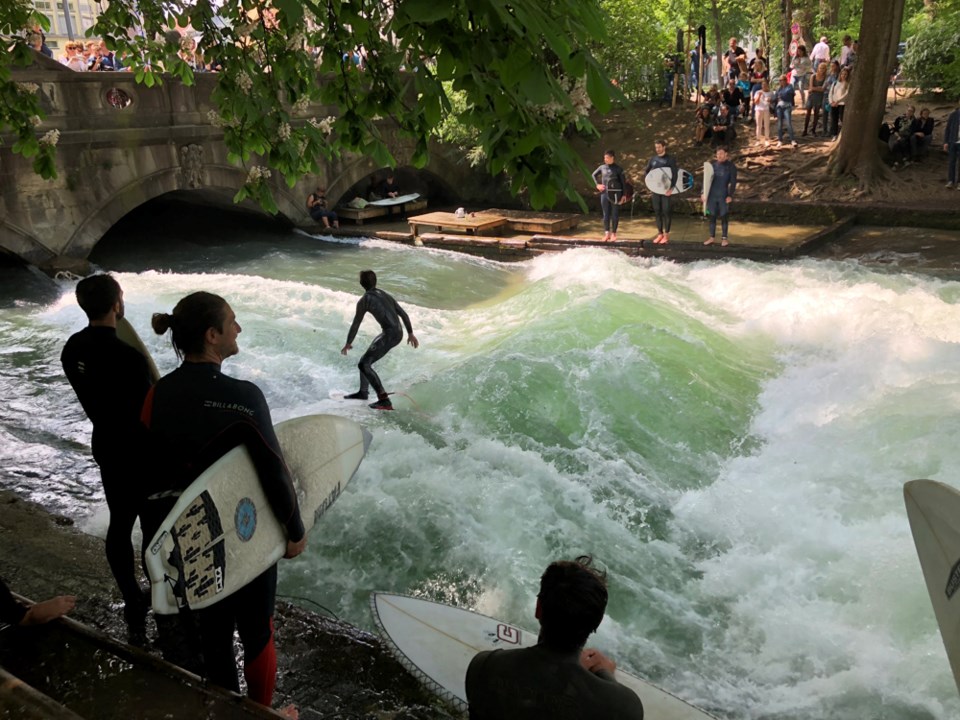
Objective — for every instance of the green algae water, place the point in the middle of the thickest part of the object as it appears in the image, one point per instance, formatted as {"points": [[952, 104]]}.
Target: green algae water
{"points": [[728, 439]]}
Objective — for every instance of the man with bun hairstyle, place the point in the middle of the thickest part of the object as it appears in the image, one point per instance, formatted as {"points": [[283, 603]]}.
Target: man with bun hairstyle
{"points": [[111, 380], [557, 678], [195, 415]]}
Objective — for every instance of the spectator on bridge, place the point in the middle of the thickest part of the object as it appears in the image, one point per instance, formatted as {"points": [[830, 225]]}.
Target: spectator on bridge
{"points": [[92, 55], [35, 40], [108, 59], [36, 28], [73, 56]]}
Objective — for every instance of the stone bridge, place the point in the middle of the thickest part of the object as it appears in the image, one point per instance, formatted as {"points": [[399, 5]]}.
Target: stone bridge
{"points": [[112, 159]]}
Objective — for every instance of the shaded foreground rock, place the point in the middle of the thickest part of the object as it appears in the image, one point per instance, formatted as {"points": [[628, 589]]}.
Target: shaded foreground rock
{"points": [[328, 668]]}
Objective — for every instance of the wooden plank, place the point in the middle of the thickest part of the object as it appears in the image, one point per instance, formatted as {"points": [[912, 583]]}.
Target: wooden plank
{"points": [[536, 222]]}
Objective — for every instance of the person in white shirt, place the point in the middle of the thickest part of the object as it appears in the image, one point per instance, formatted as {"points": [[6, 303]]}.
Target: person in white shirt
{"points": [[820, 52], [846, 50]]}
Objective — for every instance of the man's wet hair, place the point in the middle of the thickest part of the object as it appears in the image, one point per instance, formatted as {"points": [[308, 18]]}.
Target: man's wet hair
{"points": [[190, 320], [97, 295], [573, 598], [611, 153], [368, 279]]}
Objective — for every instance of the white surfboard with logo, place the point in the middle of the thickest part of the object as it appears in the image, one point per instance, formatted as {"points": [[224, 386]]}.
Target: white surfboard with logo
{"points": [[436, 643], [222, 532]]}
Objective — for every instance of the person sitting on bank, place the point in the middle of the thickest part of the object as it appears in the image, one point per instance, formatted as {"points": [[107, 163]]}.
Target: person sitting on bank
{"points": [[317, 207], [723, 131], [922, 138], [557, 678]]}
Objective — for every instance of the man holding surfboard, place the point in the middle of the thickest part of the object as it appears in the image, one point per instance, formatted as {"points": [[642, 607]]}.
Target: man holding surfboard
{"points": [[720, 182], [661, 200], [556, 678], [195, 415], [388, 313], [111, 380]]}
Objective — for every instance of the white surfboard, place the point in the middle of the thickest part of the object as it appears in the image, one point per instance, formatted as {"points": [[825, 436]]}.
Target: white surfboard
{"points": [[658, 181], [436, 643], [222, 533], [707, 182], [398, 200], [934, 512], [126, 333]]}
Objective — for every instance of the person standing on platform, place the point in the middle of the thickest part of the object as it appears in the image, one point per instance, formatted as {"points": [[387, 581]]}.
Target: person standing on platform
{"points": [[610, 183], [661, 202], [388, 313], [111, 380], [721, 195], [194, 416], [556, 678]]}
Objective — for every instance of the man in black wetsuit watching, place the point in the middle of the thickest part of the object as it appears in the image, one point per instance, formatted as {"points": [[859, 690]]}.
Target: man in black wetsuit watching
{"points": [[111, 380], [195, 415], [557, 678], [388, 313]]}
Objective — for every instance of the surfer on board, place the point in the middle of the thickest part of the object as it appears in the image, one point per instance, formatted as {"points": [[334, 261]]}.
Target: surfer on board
{"points": [[195, 415], [720, 195], [388, 313], [611, 183], [661, 202], [111, 380], [557, 678]]}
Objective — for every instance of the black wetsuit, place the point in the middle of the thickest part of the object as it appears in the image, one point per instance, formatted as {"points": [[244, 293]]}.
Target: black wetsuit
{"points": [[613, 178], [111, 380], [195, 415], [661, 202], [539, 682], [388, 313], [11, 611]]}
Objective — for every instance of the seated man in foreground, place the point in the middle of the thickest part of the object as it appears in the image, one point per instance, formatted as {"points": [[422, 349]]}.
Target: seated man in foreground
{"points": [[557, 678]]}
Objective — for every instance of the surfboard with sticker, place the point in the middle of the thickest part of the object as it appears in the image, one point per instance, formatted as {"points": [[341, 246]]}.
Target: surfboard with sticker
{"points": [[436, 642], [222, 533], [658, 181]]}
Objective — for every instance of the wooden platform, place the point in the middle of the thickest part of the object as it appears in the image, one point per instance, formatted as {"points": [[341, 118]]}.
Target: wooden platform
{"points": [[358, 215], [528, 221], [472, 223]]}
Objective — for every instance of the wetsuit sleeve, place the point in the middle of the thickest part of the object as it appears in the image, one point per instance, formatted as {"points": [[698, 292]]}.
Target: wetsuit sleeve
{"points": [[358, 318], [11, 611], [674, 171], [732, 182], [597, 175], [473, 684], [403, 316], [649, 167]]}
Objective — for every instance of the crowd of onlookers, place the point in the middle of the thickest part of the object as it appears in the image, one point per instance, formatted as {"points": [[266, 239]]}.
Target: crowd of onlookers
{"points": [[815, 81]]}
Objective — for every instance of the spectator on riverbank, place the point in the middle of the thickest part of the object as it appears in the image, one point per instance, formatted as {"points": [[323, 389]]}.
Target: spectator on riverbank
{"points": [[820, 53], [733, 98], [732, 59], [761, 111], [814, 102], [703, 118], [846, 50], [838, 101], [722, 130], [802, 70], [784, 111], [922, 136], [901, 134]]}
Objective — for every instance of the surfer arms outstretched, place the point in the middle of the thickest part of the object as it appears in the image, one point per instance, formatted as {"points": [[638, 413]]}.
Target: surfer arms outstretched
{"points": [[389, 314], [557, 678]]}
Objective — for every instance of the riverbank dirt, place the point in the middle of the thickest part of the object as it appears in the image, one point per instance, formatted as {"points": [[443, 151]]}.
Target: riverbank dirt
{"points": [[328, 668], [768, 172]]}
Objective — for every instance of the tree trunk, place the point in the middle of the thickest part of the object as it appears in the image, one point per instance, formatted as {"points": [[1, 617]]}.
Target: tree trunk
{"points": [[804, 12], [787, 36], [857, 153], [830, 12], [718, 39]]}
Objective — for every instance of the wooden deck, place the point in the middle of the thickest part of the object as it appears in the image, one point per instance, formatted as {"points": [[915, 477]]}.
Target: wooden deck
{"points": [[472, 222]]}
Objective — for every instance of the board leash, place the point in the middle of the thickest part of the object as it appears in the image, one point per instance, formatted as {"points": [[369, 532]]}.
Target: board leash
{"points": [[328, 611]]}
